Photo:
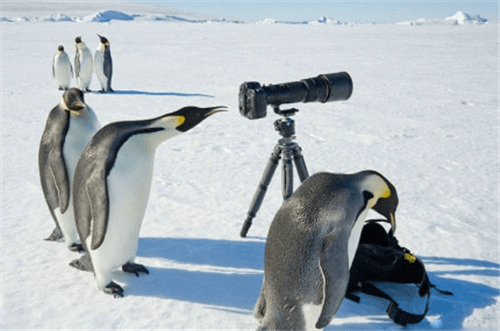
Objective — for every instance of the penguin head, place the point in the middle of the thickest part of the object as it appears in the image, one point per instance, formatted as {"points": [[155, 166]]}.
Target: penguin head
{"points": [[78, 40], [382, 196], [104, 40], [189, 117], [73, 101], [60, 48]]}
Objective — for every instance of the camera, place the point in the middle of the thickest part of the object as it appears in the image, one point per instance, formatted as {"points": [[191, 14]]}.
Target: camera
{"points": [[254, 98]]}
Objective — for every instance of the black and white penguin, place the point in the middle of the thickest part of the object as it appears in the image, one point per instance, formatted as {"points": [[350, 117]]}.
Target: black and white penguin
{"points": [[84, 65], [62, 71], [311, 245], [69, 127], [103, 64], [112, 186]]}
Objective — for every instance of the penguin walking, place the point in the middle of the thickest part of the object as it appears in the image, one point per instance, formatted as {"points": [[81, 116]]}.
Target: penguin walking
{"points": [[84, 65], [111, 190], [311, 245], [103, 64], [69, 127], [62, 71]]}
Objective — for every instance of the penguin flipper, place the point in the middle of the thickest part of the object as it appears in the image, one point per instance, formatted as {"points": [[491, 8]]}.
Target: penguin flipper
{"points": [[97, 192], [334, 264], [108, 64], [77, 66], [61, 179], [259, 310]]}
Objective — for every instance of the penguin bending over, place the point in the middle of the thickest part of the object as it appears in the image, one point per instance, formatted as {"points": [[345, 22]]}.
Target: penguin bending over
{"points": [[70, 125], [84, 65], [112, 186], [103, 64], [62, 71], [311, 245]]}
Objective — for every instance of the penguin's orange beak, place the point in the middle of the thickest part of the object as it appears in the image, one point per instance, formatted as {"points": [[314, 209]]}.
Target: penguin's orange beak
{"points": [[392, 219]]}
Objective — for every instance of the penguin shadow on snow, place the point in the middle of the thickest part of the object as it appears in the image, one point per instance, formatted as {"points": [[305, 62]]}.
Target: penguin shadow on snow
{"points": [[159, 94], [445, 312], [222, 273], [228, 276]]}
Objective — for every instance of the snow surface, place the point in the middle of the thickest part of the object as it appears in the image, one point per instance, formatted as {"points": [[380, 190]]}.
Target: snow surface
{"points": [[460, 18], [424, 113]]}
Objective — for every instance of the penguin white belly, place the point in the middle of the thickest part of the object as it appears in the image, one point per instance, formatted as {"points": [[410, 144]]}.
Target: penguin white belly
{"points": [[86, 69], [62, 71], [311, 313], [129, 184], [99, 68], [80, 131], [353, 241]]}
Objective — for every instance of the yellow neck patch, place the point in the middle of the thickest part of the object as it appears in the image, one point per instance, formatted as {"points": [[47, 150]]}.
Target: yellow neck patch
{"points": [[180, 120], [379, 189], [386, 193]]}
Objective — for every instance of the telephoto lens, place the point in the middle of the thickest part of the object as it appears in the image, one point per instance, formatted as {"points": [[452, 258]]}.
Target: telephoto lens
{"points": [[254, 98]]}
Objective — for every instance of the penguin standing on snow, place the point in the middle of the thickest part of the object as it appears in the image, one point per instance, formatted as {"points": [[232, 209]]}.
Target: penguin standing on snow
{"points": [[103, 64], [62, 71], [84, 65], [112, 186], [311, 245], [70, 125]]}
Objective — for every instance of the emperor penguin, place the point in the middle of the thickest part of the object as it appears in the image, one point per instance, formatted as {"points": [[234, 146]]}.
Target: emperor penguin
{"points": [[62, 71], [111, 190], [84, 65], [103, 64], [69, 127], [311, 244]]}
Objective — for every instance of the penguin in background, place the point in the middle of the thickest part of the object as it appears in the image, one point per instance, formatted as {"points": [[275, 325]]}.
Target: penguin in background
{"points": [[69, 127], [311, 245], [84, 65], [111, 190], [103, 64], [62, 71]]}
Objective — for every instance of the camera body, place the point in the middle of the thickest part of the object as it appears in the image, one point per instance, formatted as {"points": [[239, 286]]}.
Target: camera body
{"points": [[254, 98]]}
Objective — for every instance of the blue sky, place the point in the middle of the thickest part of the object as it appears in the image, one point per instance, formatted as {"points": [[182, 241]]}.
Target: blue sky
{"points": [[351, 11]]}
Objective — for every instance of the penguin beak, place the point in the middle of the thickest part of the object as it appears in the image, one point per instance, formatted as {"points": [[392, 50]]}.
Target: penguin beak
{"points": [[77, 106], [76, 109], [392, 219], [193, 116], [214, 110]]}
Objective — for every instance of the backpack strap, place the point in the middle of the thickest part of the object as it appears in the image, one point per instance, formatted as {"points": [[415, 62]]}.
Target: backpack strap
{"points": [[395, 313]]}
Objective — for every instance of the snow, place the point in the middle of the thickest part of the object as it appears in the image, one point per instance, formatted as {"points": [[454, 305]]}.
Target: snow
{"points": [[460, 18], [424, 112]]}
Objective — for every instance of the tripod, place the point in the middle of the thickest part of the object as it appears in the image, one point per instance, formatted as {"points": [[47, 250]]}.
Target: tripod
{"points": [[287, 150]]}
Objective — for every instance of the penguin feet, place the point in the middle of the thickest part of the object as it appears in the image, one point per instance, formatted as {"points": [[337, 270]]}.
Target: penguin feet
{"points": [[134, 268], [114, 289], [56, 235], [77, 248], [82, 263]]}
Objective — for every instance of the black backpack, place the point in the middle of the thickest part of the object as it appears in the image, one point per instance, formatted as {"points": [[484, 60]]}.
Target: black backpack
{"points": [[380, 258]]}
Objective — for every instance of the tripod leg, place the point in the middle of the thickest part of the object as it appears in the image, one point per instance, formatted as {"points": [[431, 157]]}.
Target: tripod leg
{"points": [[300, 164], [287, 173], [258, 197]]}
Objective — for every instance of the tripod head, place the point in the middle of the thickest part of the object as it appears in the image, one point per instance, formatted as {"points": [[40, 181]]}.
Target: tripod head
{"points": [[285, 126]]}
